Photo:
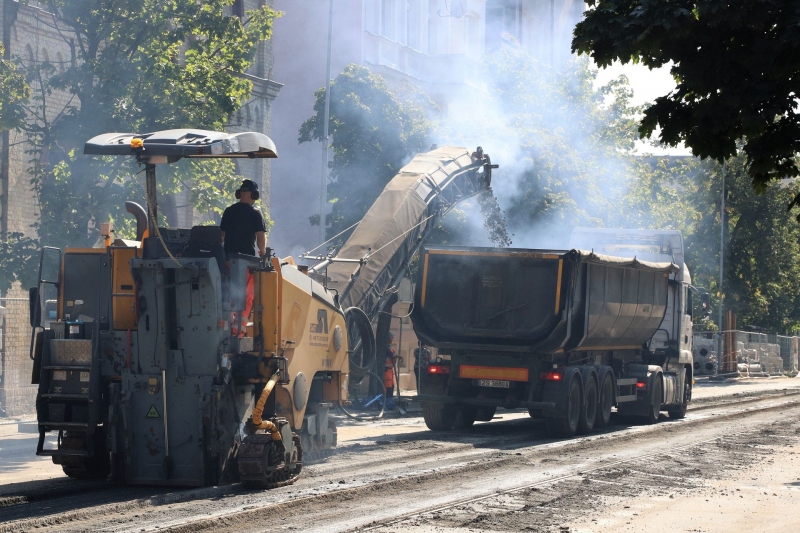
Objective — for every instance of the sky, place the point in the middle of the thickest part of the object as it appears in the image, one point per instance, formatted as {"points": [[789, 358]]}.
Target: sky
{"points": [[647, 85]]}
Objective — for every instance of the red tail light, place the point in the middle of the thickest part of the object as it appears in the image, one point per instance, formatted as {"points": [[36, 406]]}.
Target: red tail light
{"points": [[641, 385], [438, 369], [551, 375]]}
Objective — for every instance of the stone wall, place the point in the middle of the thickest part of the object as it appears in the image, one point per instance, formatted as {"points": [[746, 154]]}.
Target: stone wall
{"points": [[29, 36], [17, 395]]}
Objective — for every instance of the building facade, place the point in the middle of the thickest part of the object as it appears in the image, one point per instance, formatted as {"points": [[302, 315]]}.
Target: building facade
{"points": [[435, 45]]}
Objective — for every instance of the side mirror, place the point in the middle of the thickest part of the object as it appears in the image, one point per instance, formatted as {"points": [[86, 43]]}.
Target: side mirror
{"points": [[705, 304], [34, 307]]}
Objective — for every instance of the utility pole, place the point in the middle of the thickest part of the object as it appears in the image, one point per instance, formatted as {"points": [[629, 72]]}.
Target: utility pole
{"points": [[323, 194], [552, 31], [721, 263]]}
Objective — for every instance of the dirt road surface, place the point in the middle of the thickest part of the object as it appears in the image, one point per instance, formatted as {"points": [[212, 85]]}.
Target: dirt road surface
{"points": [[731, 465]]}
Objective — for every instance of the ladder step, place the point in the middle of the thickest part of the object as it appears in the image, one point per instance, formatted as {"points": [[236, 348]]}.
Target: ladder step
{"points": [[63, 452], [66, 396], [54, 426]]}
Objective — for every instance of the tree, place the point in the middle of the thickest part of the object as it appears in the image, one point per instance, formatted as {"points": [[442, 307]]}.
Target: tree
{"points": [[736, 66], [762, 272], [142, 65], [17, 255], [374, 132], [564, 148], [14, 92]]}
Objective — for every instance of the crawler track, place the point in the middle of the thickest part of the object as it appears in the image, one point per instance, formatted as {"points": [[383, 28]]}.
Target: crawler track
{"points": [[361, 473]]}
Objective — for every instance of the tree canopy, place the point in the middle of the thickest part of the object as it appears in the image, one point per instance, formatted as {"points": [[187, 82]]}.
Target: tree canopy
{"points": [[737, 69], [141, 65], [567, 158], [14, 92], [374, 132]]}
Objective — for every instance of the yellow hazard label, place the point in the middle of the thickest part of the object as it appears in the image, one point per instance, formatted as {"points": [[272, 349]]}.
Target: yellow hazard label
{"points": [[153, 412]]}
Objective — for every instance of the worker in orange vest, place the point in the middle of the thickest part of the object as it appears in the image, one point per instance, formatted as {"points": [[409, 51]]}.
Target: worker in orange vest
{"points": [[388, 373]]}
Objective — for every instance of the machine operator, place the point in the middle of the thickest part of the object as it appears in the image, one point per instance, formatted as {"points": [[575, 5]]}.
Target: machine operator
{"points": [[243, 229]]}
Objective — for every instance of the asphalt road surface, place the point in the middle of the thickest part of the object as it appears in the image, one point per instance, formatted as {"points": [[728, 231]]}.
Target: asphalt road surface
{"points": [[731, 465]]}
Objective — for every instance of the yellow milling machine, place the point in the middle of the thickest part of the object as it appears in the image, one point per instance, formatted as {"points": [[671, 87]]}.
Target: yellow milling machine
{"points": [[148, 368]]}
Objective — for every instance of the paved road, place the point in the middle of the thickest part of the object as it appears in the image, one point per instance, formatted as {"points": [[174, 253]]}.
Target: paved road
{"points": [[18, 461]]}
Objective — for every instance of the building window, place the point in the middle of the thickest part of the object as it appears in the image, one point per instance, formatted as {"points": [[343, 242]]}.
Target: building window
{"points": [[60, 60], [238, 8], [503, 24], [388, 19], [433, 22]]}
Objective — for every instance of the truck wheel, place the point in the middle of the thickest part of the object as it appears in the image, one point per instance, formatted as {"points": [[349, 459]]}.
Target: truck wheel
{"points": [[485, 414], [605, 399], [465, 417], [679, 411], [439, 418], [655, 402], [567, 426], [588, 412]]}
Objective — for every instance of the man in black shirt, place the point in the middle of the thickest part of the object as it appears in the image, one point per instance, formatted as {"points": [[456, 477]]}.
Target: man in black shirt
{"points": [[242, 224]]}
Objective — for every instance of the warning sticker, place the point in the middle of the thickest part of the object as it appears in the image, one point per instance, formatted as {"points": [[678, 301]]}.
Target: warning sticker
{"points": [[153, 412]]}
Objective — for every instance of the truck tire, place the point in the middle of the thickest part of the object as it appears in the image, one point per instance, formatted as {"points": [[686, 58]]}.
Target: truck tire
{"points": [[656, 395], [439, 418], [566, 426], [605, 399], [588, 412], [679, 411], [485, 414], [465, 417]]}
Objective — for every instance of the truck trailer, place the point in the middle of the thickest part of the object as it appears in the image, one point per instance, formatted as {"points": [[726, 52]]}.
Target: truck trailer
{"points": [[567, 334]]}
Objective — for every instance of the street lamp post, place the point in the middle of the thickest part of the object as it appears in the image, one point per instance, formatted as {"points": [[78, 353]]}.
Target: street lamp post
{"points": [[721, 264], [323, 193]]}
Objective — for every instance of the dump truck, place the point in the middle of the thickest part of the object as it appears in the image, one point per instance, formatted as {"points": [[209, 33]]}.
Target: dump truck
{"points": [[567, 334], [154, 368]]}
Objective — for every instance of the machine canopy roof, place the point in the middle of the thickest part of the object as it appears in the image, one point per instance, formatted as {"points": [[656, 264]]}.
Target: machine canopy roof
{"points": [[174, 144]]}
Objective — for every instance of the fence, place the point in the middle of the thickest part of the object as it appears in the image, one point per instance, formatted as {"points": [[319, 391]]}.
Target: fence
{"points": [[747, 353]]}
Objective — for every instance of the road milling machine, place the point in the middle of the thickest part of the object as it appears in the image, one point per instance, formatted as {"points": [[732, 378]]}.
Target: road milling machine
{"points": [[150, 368]]}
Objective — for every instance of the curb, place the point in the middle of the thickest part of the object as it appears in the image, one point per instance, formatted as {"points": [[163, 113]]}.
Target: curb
{"points": [[14, 427]]}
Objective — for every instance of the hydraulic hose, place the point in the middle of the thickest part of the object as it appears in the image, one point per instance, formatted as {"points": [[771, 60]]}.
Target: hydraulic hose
{"points": [[365, 347], [379, 415], [259, 409]]}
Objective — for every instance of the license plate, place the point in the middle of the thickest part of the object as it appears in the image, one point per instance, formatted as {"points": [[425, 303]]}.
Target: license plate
{"points": [[59, 375], [494, 383]]}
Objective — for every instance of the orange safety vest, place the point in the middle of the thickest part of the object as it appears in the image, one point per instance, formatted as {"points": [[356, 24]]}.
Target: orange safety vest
{"points": [[388, 373]]}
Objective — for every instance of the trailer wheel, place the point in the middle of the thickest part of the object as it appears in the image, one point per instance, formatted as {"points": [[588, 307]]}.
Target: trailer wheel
{"points": [[567, 426], [605, 400], [655, 402], [588, 412], [439, 418], [465, 417]]}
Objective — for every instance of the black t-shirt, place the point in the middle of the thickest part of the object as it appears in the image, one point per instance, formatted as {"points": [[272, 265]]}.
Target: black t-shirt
{"points": [[240, 222]]}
